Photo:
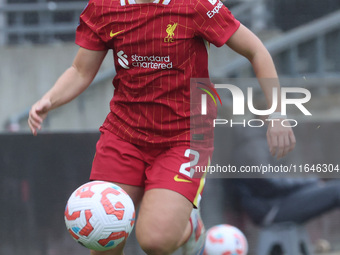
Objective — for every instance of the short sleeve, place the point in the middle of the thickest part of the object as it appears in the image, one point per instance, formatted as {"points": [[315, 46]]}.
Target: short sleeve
{"points": [[86, 35], [214, 22]]}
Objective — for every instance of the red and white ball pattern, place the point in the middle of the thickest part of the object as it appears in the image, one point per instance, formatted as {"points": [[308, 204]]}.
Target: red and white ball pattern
{"points": [[99, 215], [225, 240]]}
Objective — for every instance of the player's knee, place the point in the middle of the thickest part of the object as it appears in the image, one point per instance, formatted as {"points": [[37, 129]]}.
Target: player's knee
{"points": [[156, 243], [156, 247]]}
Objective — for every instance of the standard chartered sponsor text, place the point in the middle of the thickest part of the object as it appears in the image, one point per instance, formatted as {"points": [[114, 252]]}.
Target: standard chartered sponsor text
{"points": [[153, 62]]}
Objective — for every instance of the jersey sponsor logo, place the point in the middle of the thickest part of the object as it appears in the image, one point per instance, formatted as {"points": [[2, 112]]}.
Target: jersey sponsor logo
{"points": [[216, 10], [152, 62], [122, 59], [178, 179], [112, 34], [170, 31]]}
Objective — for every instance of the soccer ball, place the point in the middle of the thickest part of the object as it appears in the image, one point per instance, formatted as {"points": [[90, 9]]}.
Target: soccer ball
{"points": [[225, 240], [99, 215]]}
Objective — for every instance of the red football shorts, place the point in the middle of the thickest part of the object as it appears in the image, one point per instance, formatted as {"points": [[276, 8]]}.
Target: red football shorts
{"points": [[172, 168]]}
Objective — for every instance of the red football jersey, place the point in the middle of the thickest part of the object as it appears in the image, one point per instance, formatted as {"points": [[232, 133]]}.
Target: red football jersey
{"points": [[157, 48]]}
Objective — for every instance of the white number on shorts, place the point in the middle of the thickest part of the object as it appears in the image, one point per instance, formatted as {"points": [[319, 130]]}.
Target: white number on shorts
{"points": [[190, 164]]}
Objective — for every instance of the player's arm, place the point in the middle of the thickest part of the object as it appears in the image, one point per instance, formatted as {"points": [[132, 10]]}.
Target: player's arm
{"points": [[69, 85], [281, 140], [246, 43]]}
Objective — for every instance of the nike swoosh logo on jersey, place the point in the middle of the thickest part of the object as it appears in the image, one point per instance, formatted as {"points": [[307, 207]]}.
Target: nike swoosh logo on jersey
{"points": [[114, 34], [177, 179]]}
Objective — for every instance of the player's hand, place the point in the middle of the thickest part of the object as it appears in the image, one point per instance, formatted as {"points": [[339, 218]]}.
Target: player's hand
{"points": [[37, 114], [281, 140]]}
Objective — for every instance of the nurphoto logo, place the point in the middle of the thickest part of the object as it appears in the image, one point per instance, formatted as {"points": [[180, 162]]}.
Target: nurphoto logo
{"points": [[240, 100]]}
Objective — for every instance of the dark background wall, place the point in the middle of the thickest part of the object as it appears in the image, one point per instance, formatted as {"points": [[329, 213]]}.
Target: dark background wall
{"points": [[37, 176], [288, 14]]}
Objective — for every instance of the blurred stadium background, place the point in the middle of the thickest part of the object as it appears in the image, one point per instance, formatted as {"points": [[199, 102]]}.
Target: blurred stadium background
{"points": [[37, 174]]}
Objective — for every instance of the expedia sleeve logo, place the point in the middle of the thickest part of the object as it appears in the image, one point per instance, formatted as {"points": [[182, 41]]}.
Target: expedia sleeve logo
{"points": [[213, 2], [216, 9]]}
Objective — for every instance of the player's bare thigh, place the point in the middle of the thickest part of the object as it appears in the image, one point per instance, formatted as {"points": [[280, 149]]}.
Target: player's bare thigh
{"points": [[163, 221], [135, 192]]}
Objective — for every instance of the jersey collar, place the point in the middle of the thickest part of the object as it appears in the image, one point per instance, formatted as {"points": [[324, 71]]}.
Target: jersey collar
{"points": [[127, 2]]}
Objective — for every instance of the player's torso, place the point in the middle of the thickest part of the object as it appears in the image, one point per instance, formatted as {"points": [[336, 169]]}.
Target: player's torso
{"points": [[156, 52], [152, 41]]}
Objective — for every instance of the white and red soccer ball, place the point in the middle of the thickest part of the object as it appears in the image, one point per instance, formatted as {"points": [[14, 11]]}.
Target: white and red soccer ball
{"points": [[225, 239], [99, 215]]}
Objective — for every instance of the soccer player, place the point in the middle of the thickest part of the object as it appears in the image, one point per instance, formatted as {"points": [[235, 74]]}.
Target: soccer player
{"points": [[144, 147]]}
